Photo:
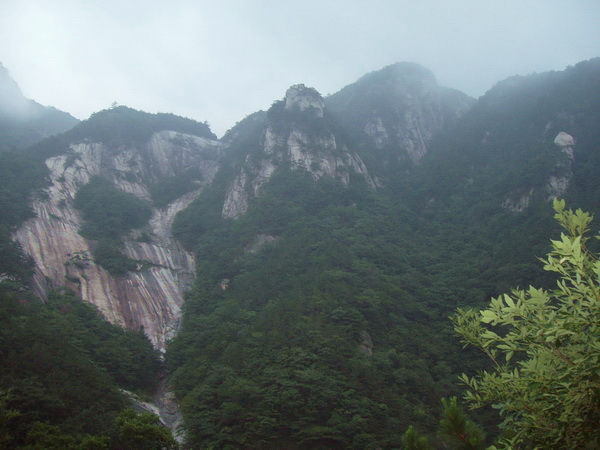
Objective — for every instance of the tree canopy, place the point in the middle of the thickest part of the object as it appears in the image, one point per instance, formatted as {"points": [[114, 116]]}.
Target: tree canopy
{"points": [[545, 348]]}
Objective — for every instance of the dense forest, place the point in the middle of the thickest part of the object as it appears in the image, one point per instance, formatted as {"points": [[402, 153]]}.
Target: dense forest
{"points": [[333, 332], [63, 371], [320, 318]]}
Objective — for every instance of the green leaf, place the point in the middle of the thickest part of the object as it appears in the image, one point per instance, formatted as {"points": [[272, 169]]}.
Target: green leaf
{"points": [[488, 316]]}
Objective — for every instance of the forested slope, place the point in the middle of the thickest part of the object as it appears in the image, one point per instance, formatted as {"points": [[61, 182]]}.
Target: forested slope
{"points": [[331, 246], [320, 317]]}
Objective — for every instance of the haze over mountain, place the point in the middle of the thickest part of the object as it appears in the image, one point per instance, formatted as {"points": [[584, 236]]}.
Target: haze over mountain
{"points": [[296, 274], [221, 61], [23, 121]]}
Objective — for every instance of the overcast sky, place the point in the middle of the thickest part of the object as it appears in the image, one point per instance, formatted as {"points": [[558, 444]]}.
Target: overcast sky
{"points": [[221, 60]]}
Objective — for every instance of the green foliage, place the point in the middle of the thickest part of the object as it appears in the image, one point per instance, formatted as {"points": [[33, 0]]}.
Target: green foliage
{"points": [[109, 212], [280, 347], [43, 436], [142, 431], [51, 379], [122, 126], [108, 254], [545, 348], [61, 369], [127, 355], [8, 418], [411, 440], [19, 176], [13, 262], [504, 145], [170, 188], [457, 430]]}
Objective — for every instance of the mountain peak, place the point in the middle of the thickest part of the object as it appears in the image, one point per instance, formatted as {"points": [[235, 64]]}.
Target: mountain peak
{"points": [[12, 100], [403, 78], [302, 98], [24, 121]]}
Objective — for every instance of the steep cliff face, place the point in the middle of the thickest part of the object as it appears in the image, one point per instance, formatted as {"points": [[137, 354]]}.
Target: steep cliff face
{"points": [[297, 134], [397, 111], [150, 297]]}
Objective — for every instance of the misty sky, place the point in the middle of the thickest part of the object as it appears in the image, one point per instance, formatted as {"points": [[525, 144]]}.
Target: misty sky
{"points": [[221, 60]]}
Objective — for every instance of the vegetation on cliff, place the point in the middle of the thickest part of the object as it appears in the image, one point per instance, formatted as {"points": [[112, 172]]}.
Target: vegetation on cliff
{"points": [[108, 214]]}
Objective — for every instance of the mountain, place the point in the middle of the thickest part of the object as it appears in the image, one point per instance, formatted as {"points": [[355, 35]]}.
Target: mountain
{"points": [[319, 316], [392, 114], [527, 140], [23, 121], [519, 125], [296, 133], [119, 170], [384, 121], [320, 245]]}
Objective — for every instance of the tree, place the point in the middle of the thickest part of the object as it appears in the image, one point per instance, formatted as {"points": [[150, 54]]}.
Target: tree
{"points": [[143, 431], [545, 349], [456, 431], [8, 417], [411, 440]]}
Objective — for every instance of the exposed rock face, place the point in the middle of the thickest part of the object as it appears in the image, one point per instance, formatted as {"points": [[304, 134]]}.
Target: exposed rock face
{"points": [[297, 144], [418, 117], [366, 343], [565, 142], [152, 296], [164, 406], [556, 185], [301, 98], [520, 204], [378, 132], [168, 411], [399, 109]]}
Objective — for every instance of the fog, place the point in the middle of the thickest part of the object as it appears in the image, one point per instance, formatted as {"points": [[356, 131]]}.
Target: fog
{"points": [[220, 61]]}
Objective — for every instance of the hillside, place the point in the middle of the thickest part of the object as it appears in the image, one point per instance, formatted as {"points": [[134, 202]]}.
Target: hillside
{"points": [[299, 272], [321, 313]]}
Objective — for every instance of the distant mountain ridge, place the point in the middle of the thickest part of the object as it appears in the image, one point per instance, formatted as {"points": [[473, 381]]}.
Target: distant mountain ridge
{"points": [[24, 122]]}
